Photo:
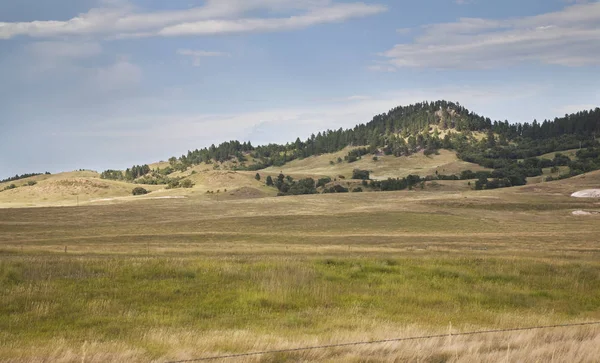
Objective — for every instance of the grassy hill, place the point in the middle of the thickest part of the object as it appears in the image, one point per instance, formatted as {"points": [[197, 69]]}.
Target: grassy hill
{"points": [[446, 162], [86, 187], [62, 190]]}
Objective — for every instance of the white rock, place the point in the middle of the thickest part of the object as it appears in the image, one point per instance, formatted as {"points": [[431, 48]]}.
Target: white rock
{"points": [[588, 193]]}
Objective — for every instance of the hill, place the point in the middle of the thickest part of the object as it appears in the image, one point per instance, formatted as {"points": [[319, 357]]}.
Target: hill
{"points": [[429, 143], [67, 188]]}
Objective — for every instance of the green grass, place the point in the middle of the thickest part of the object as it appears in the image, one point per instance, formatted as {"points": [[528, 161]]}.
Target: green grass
{"points": [[107, 299]]}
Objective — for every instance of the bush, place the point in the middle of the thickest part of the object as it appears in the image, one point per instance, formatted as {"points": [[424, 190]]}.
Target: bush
{"points": [[360, 174], [8, 187], [139, 191], [31, 183], [173, 184], [186, 183], [323, 181], [336, 189]]}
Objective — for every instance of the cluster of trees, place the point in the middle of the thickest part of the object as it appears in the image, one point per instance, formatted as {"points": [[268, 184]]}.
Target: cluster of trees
{"points": [[136, 171], [392, 184], [288, 186], [23, 176], [587, 160], [361, 174], [356, 154]]}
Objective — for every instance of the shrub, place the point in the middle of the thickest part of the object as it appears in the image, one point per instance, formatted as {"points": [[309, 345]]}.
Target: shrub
{"points": [[336, 189], [139, 191], [186, 183], [360, 174], [173, 183], [31, 183], [323, 181]]}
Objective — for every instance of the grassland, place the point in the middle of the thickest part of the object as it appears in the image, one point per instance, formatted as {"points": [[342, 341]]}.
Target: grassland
{"points": [[157, 280]]}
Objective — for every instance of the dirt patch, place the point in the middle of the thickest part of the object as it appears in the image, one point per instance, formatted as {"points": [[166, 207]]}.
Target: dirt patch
{"points": [[588, 193]]}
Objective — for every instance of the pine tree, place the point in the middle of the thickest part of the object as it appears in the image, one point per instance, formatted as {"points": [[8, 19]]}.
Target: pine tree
{"points": [[269, 181]]}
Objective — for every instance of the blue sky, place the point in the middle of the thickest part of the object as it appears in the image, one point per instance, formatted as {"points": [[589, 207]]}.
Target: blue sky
{"points": [[109, 83]]}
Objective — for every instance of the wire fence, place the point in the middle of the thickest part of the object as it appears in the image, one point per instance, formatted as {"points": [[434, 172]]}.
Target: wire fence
{"points": [[327, 346]]}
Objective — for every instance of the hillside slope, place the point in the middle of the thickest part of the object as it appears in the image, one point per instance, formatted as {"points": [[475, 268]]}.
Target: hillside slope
{"points": [[386, 166], [63, 189]]}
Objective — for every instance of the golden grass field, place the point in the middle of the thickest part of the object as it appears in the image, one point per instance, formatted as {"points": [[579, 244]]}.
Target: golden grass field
{"points": [[169, 279]]}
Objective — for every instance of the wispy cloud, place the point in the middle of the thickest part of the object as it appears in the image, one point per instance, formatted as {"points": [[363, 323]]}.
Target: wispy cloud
{"points": [[120, 19], [570, 37]]}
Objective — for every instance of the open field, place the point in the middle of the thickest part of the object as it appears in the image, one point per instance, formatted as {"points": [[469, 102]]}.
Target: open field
{"points": [[157, 280]]}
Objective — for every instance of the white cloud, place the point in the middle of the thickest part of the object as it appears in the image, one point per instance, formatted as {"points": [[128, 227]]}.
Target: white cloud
{"points": [[215, 17], [330, 14], [570, 37]]}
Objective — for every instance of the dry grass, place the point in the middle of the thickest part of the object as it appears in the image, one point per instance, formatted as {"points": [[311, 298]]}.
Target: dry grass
{"points": [[183, 278], [385, 167], [553, 345], [64, 189], [570, 153]]}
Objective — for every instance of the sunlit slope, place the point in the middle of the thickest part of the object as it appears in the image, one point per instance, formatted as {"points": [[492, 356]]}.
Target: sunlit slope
{"points": [[446, 162], [572, 154], [86, 187], [225, 181], [64, 189], [565, 187]]}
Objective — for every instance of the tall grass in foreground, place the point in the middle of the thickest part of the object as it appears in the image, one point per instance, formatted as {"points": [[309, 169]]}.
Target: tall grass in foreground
{"points": [[157, 308]]}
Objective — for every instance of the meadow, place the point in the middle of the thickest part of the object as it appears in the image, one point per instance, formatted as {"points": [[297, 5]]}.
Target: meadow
{"points": [[161, 280]]}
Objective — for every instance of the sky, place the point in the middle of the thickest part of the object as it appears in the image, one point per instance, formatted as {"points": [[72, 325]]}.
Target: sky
{"points": [[106, 84]]}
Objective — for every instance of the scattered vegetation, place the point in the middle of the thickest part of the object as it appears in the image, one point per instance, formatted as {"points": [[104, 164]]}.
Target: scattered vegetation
{"points": [[136, 171], [139, 191], [9, 187], [23, 176]]}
